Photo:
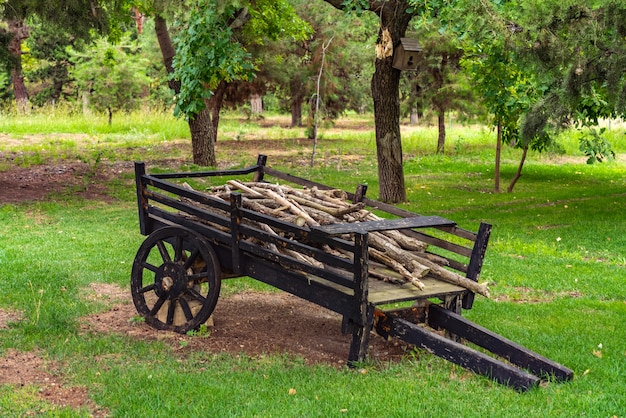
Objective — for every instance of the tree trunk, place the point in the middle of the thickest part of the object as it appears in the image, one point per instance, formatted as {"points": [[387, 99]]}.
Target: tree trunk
{"points": [[385, 92], [256, 104], [394, 17], [85, 103], [214, 105], [296, 112], [19, 89], [385, 84], [19, 32], [414, 118], [200, 126], [441, 138], [496, 174], [59, 79], [518, 174], [203, 151], [297, 98]]}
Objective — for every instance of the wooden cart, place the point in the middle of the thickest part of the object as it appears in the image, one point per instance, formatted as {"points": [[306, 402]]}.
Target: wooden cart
{"points": [[194, 241]]}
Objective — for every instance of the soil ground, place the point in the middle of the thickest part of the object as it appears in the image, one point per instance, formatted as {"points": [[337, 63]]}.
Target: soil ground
{"points": [[274, 322]]}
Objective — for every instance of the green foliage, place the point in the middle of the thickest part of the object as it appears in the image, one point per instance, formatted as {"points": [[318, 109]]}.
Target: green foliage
{"points": [[217, 45], [595, 146], [47, 68], [357, 6], [291, 67], [275, 20], [506, 90], [114, 76], [207, 54], [577, 51], [439, 84], [80, 17], [4, 80]]}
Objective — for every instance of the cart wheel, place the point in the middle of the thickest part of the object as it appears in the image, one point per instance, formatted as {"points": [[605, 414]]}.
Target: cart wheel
{"points": [[175, 281]]}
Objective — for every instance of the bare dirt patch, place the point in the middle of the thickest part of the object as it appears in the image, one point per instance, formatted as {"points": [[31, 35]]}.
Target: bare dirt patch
{"points": [[7, 316], [254, 324], [21, 369], [36, 183]]}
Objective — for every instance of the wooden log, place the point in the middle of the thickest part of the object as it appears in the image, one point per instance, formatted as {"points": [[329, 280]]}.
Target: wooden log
{"points": [[390, 262], [338, 212], [244, 188], [405, 258], [448, 276], [293, 208]]}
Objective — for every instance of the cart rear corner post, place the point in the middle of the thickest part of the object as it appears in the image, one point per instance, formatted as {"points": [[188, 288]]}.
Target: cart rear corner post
{"points": [[194, 240]]}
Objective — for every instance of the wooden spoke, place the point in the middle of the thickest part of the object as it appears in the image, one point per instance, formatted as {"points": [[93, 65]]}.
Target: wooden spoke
{"points": [[146, 289], [178, 249], [197, 296], [165, 255], [171, 309], [157, 306], [186, 309], [150, 267], [192, 258]]}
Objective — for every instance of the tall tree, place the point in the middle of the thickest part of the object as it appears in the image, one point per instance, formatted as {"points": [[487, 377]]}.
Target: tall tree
{"points": [[580, 52], [439, 82], [506, 91], [394, 17], [567, 67], [49, 45], [113, 75], [209, 53], [202, 136], [291, 67], [77, 16]]}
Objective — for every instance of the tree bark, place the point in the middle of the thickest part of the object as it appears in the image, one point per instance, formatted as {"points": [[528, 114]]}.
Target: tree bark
{"points": [[394, 18], [256, 104], [385, 92], [214, 105], [441, 138], [414, 118], [297, 98], [202, 147], [200, 126], [19, 31], [440, 102]]}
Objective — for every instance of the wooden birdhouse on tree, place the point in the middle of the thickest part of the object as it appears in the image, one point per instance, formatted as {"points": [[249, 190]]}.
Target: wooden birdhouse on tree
{"points": [[407, 54]]}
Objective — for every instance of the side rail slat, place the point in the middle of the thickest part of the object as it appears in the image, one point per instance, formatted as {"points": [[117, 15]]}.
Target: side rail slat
{"points": [[213, 173], [296, 246], [181, 192], [193, 210], [294, 265]]}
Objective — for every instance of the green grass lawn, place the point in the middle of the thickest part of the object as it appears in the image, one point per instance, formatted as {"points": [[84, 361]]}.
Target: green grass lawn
{"points": [[556, 266]]}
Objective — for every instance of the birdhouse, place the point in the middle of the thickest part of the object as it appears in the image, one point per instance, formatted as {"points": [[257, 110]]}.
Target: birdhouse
{"points": [[407, 54]]}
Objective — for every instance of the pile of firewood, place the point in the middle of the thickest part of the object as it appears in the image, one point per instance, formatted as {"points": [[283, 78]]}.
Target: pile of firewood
{"points": [[313, 207]]}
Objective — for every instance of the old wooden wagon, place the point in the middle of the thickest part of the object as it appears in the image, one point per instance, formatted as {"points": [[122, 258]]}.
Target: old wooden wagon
{"points": [[195, 240]]}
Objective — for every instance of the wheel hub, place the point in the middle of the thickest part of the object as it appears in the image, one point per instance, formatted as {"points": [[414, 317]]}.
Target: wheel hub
{"points": [[170, 280]]}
